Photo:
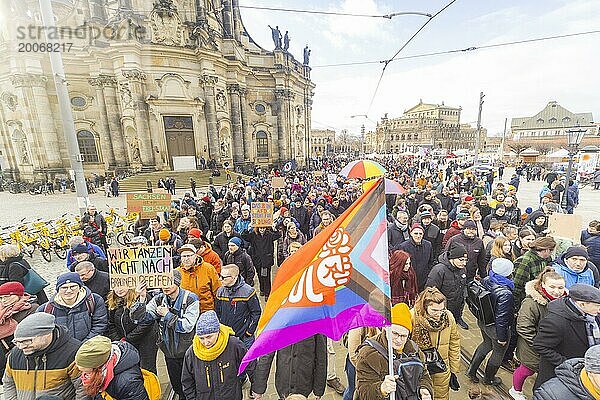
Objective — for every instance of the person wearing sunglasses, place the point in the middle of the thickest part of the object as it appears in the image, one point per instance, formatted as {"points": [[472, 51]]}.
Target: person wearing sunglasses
{"points": [[51, 348]]}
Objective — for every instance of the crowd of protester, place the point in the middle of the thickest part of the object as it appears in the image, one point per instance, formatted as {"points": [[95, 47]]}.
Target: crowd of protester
{"points": [[452, 228]]}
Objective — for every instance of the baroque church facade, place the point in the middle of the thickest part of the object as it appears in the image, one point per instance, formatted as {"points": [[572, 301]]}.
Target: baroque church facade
{"points": [[153, 85]]}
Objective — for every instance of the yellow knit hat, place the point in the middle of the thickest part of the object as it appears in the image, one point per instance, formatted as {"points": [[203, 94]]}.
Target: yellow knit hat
{"points": [[164, 235], [401, 316]]}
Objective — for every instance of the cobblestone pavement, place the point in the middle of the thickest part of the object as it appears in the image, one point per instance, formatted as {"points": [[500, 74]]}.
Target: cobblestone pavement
{"points": [[14, 207]]}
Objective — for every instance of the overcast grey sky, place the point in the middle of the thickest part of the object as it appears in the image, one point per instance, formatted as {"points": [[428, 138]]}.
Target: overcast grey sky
{"points": [[518, 80]]}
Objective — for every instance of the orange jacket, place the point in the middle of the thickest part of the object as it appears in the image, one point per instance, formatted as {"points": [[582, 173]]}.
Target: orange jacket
{"points": [[210, 256], [202, 280]]}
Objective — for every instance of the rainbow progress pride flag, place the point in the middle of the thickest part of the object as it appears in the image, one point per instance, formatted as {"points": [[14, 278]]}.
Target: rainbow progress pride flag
{"points": [[337, 281]]}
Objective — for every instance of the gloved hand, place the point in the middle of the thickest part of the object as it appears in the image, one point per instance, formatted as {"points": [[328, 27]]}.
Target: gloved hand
{"points": [[454, 385], [388, 385]]}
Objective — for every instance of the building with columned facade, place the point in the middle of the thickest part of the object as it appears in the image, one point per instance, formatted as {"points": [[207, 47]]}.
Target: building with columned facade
{"points": [[422, 127], [153, 85]]}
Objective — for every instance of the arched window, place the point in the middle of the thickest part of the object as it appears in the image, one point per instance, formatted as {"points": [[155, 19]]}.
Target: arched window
{"points": [[262, 144], [87, 147]]}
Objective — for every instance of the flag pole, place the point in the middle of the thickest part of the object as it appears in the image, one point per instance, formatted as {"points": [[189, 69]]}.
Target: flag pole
{"points": [[388, 328], [388, 333]]}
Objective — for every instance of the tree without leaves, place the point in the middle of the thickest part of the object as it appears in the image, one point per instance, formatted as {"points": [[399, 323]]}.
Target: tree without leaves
{"points": [[517, 147], [543, 148]]}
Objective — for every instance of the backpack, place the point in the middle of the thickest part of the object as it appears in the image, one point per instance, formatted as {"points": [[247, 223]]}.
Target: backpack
{"points": [[184, 340], [479, 301], [151, 384], [89, 302], [410, 370]]}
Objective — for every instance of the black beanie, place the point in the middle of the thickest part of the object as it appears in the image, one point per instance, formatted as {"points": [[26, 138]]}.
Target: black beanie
{"points": [[457, 251], [576, 251]]}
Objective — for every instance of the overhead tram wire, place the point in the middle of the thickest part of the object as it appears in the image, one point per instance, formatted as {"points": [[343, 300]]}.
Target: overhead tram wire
{"points": [[463, 50], [386, 62], [342, 14], [318, 12]]}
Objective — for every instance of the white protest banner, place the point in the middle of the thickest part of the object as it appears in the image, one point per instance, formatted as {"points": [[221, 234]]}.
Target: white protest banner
{"points": [[131, 266]]}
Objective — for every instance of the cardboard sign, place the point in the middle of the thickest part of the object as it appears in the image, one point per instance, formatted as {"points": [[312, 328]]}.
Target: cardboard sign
{"points": [[130, 266], [565, 226], [278, 182], [262, 214], [148, 204], [318, 173]]}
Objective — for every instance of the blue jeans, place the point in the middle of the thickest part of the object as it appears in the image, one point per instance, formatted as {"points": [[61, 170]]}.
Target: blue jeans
{"points": [[351, 375]]}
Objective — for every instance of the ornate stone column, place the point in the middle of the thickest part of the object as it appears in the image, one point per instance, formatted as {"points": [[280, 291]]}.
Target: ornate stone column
{"points": [[136, 80], [246, 134], [200, 11], [236, 124], [227, 19], [282, 97], [237, 26], [208, 83], [105, 140], [113, 115], [41, 117]]}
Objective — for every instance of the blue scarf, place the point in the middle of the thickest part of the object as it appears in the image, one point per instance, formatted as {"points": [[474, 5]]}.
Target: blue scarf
{"points": [[501, 280]]}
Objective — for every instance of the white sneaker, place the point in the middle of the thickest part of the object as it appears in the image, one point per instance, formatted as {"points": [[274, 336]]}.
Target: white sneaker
{"points": [[516, 395]]}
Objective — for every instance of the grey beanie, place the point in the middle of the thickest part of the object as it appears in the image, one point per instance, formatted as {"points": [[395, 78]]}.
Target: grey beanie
{"points": [[592, 359], [208, 323], [36, 324]]}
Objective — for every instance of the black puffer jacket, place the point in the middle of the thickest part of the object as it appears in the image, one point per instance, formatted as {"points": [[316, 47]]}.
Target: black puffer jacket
{"points": [[141, 333], [561, 335], [566, 384], [220, 243], [100, 263], [217, 219], [301, 368], [396, 236], [244, 262], [434, 236], [127, 383], [216, 379], [421, 259], [262, 247], [504, 307], [451, 281], [476, 254], [301, 215]]}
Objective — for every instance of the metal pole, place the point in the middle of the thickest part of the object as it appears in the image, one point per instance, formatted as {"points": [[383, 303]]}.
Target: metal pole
{"points": [[388, 333], [477, 139], [503, 139], [565, 194], [64, 105]]}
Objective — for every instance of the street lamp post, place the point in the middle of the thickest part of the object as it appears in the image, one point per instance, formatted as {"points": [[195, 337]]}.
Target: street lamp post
{"points": [[574, 137]]}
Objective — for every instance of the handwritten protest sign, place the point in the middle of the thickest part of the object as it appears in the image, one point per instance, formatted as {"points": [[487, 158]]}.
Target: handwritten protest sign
{"points": [[278, 182], [565, 226], [262, 214], [148, 204], [131, 266]]}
